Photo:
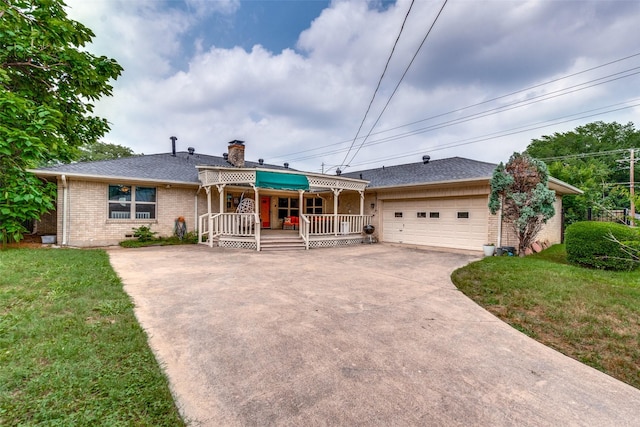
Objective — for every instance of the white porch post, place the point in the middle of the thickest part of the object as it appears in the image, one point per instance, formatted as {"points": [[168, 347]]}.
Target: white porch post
{"points": [[301, 209], [208, 190], [336, 194], [301, 199], [258, 224], [220, 188], [209, 221], [361, 202]]}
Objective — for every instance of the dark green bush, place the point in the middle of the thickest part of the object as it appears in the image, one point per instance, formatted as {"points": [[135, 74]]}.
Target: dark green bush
{"points": [[590, 244], [633, 248], [144, 233]]}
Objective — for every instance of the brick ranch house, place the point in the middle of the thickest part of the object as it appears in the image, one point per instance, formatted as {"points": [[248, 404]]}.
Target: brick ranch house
{"points": [[440, 203]]}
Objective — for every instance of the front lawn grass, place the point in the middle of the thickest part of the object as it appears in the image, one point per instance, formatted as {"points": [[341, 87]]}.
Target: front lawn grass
{"points": [[71, 350], [590, 315]]}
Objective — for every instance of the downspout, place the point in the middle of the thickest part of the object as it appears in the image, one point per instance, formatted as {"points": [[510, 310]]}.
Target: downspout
{"points": [[195, 212], [65, 210]]}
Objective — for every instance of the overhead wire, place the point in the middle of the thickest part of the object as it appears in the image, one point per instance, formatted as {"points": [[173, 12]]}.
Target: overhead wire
{"points": [[384, 71], [582, 155], [400, 81], [486, 113], [494, 135], [288, 156]]}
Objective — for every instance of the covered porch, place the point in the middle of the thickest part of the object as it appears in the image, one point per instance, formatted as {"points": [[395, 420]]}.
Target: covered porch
{"points": [[308, 210]]}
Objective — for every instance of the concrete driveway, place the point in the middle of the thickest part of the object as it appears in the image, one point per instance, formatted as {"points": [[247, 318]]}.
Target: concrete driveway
{"points": [[358, 336]]}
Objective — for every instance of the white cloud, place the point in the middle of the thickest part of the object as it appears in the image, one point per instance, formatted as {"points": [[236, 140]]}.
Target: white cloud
{"points": [[285, 103]]}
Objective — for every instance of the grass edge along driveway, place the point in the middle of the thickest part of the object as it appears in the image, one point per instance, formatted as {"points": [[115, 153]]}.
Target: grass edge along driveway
{"points": [[589, 315], [71, 349]]}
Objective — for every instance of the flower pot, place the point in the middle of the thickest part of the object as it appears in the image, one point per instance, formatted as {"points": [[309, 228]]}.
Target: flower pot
{"points": [[488, 250]]}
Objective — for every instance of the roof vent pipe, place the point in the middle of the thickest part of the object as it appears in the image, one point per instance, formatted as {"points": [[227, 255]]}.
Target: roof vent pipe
{"points": [[173, 145], [261, 162], [425, 159], [191, 150], [225, 156], [286, 165]]}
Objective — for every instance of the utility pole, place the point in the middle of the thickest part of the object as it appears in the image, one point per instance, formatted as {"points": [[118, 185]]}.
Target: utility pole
{"points": [[632, 160], [632, 187]]}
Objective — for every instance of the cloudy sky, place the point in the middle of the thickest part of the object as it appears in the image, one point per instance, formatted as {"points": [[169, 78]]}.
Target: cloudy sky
{"points": [[294, 78]]}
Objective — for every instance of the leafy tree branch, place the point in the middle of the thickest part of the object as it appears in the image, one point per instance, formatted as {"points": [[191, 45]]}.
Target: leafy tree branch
{"points": [[47, 84]]}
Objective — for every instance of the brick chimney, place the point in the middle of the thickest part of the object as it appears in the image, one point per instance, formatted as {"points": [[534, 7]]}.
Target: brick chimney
{"points": [[236, 153]]}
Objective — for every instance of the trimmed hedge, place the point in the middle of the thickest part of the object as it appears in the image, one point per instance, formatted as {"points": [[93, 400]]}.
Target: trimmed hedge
{"points": [[589, 244], [633, 247]]}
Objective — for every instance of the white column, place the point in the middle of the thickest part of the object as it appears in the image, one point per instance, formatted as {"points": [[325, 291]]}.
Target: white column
{"points": [[336, 194], [258, 224], [300, 209], [221, 195], [208, 190]]}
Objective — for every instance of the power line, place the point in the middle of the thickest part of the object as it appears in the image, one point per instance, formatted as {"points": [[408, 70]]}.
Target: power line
{"points": [[400, 81], [386, 66], [494, 135], [287, 156], [582, 155], [508, 107]]}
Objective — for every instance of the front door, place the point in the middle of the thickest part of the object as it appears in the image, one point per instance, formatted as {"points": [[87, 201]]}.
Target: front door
{"points": [[265, 211]]}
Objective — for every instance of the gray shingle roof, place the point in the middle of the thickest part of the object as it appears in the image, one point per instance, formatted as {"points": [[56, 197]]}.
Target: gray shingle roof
{"points": [[182, 168], [162, 167], [452, 169]]}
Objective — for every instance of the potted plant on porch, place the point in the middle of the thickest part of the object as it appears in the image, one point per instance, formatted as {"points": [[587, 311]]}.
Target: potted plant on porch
{"points": [[489, 249]]}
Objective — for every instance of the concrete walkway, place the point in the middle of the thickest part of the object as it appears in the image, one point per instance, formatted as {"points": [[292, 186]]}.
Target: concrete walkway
{"points": [[358, 336]]}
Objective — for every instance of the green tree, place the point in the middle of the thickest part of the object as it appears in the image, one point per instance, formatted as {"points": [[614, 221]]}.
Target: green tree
{"points": [[600, 176], [47, 85], [521, 189], [95, 151]]}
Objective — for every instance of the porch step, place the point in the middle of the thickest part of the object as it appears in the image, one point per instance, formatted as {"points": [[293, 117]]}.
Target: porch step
{"points": [[280, 243]]}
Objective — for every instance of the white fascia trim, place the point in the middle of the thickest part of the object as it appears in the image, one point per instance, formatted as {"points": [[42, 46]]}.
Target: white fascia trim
{"points": [[571, 189], [106, 178], [424, 184]]}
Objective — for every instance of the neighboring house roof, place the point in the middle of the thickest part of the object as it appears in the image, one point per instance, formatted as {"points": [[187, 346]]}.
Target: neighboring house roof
{"points": [[153, 167], [443, 170]]}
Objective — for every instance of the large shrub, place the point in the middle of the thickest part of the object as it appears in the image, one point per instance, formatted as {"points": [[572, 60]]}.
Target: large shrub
{"points": [[590, 244]]}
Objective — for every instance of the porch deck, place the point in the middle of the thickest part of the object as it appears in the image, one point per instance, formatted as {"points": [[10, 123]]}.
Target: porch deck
{"points": [[277, 239], [243, 234]]}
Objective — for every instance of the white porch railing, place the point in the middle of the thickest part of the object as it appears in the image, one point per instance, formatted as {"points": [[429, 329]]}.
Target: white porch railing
{"points": [[235, 224], [328, 224], [248, 225], [203, 228], [228, 224], [304, 230]]}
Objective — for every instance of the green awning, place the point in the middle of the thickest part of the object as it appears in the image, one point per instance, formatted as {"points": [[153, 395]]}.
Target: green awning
{"points": [[281, 181]]}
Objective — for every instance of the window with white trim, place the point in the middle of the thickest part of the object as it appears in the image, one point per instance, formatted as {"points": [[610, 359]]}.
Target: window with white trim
{"points": [[313, 206], [288, 207], [129, 201]]}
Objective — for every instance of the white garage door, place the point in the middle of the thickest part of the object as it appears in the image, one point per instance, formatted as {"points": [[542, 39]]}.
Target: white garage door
{"points": [[449, 223]]}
